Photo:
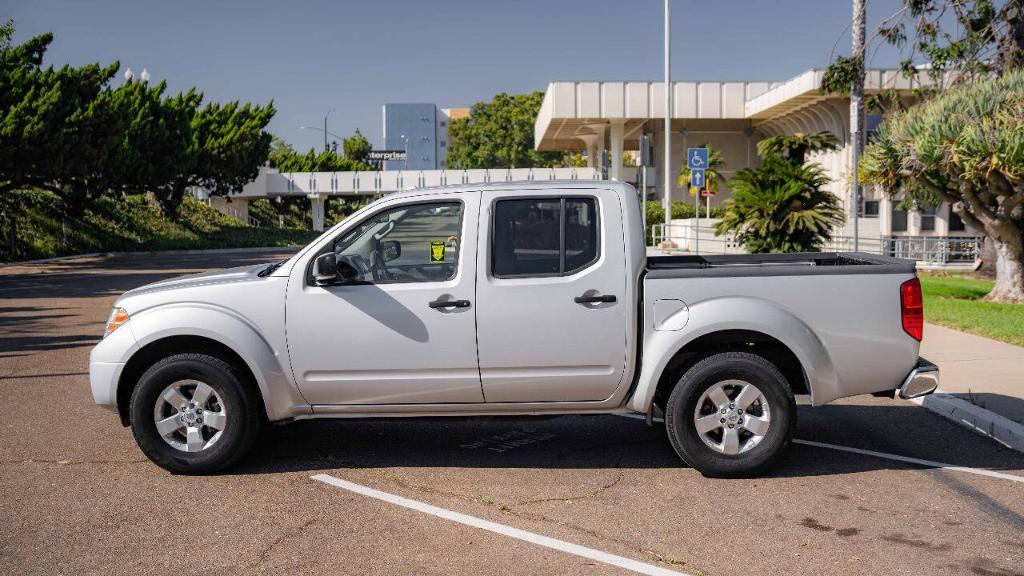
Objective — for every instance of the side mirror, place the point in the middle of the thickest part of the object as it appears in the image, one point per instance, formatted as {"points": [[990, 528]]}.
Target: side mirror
{"points": [[325, 269], [391, 250]]}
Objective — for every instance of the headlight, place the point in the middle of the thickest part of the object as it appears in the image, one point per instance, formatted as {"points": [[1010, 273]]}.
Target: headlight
{"points": [[117, 317]]}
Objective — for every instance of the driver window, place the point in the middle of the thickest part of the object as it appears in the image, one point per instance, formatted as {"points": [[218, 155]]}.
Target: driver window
{"points": [[410, 243]]}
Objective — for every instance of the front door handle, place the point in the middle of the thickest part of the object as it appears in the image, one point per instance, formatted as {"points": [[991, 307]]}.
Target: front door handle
{"points": [[595, 299], [449, 304]]}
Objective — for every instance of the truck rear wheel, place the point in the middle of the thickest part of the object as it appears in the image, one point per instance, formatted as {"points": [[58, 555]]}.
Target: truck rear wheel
{"points": [[193, 414], [731, 415]]}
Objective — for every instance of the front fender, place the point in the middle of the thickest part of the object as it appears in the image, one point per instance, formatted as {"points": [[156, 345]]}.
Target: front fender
{"points": [[736, 313], [266, 362]]}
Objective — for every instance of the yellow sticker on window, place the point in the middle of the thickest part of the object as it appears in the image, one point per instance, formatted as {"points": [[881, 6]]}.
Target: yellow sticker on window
{"points": [[437, 251]]}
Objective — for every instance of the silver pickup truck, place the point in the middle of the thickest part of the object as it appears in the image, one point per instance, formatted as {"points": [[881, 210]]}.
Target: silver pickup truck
{"points": [[509, 299]]}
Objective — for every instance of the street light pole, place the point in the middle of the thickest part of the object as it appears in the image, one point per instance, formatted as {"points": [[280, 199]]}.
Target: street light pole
{"points": [[667, 200], [325, 128]]}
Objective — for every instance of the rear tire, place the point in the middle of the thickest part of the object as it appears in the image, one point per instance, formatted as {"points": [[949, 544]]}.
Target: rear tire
{"points": [[731, 415], [194, 414]]}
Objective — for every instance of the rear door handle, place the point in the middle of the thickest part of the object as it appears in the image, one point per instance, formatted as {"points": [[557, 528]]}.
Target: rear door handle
{"points": [[450, 304], [595, 299]]}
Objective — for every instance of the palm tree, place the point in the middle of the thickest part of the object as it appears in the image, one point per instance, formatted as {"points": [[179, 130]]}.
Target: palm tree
{"points": [[795, 148], [712, 174], [781, 207]]}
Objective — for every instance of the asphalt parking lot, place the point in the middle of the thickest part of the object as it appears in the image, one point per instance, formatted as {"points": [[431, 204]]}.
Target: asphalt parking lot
{"points": [[78, 497]]}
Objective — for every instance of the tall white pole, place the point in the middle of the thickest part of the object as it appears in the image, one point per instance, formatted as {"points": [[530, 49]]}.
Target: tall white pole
{"points": [[857, 111], [668, 126]]}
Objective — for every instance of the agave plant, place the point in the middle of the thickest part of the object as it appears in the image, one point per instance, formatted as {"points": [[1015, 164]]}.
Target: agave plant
{"points": [[781, 207], [796, 147]]}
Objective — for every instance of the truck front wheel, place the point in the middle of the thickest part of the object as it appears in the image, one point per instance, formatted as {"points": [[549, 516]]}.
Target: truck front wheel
{"points": [[731, 415], [193, 414]]}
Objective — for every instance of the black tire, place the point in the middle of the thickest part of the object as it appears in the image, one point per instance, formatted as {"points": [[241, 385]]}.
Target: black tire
{"points": [[682, 405], [240, 403]]}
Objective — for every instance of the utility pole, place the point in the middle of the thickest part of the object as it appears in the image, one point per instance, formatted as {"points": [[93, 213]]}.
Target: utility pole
{"points": [[667, 200], [325, 128], [857, 110]]}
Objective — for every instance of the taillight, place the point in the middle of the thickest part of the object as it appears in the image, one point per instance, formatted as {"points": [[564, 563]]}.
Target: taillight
{"points": [[912, 308]]}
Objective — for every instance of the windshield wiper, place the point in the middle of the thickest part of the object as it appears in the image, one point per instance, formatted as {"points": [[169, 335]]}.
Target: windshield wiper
{"points": [[270, 269]]}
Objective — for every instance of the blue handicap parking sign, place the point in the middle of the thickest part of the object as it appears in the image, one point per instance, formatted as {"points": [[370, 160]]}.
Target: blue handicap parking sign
{"points": [[697, 158], [697, 178]]}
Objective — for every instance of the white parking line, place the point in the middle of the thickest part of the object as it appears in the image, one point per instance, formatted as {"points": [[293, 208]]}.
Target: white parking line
{"points": [[929, 463], [896, 457], [531, 537]]}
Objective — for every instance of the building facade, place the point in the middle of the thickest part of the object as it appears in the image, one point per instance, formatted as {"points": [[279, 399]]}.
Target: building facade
{"points": [[421, 130], [733, 117]]}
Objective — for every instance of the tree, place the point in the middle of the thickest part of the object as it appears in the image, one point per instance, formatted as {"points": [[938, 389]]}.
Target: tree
{"points": [[51, 125], [712, 174], [796, 147], [227, 145], [957, 40], [964, 147], [499, 134], [286, 159], [357, 148], [781, 206]]}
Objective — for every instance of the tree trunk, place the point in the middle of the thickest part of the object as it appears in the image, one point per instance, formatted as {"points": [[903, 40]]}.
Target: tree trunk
{"points": [[1009, 272]]}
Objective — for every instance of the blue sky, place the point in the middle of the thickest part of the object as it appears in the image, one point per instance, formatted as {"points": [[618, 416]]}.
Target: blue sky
{"points": [[310, 56]]}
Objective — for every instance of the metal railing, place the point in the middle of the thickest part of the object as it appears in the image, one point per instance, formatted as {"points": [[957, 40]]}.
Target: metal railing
{"points": [[935, 250]]}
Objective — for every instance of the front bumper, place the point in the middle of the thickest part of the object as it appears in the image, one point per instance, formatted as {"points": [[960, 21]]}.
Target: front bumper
{"points": [[921, 381]]}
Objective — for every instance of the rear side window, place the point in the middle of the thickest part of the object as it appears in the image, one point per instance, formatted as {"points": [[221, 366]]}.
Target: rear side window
{"points": [[544, 236]]}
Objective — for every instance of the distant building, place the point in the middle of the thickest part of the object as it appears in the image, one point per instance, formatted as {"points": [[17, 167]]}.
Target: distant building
{"points": [[732, 117], [422, 131]]}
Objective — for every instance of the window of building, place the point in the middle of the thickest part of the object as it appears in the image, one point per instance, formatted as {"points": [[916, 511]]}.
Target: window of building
{"points": [[443, 123], [443, 144], [899, 220], [927, 218], [871, 208], [544, 236], [956, 224]]}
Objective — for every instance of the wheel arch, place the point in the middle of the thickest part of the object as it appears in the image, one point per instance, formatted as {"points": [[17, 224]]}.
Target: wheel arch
{"points": [[175, 329], [737, 324]]}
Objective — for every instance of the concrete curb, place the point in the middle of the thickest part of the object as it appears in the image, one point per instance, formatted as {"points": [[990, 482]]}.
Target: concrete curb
{"points": [[985, 422], [144, 252]]}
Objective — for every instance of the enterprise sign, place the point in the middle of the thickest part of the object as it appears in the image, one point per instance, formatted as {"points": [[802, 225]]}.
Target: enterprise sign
{"points": [[378, 155]]}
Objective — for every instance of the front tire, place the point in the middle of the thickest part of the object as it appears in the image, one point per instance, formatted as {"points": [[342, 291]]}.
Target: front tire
{"points": [[731, 415], [193, 414]]}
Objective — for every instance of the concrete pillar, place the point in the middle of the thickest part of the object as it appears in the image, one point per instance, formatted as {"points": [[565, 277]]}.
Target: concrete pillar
{"points": [[590, 141], [317, 202], [595, 143], [615, 137]]}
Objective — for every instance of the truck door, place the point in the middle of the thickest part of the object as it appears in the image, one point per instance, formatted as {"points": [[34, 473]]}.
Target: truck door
{"points": [[551, 316], [402, 329]]}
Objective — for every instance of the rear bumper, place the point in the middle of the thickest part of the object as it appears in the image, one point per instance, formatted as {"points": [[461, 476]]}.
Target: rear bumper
{"points": [[921, 381]]}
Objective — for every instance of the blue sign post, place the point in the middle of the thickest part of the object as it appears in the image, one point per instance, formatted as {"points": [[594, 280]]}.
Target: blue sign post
{"points": [[697, 178], [697, 158], [697, 162]]}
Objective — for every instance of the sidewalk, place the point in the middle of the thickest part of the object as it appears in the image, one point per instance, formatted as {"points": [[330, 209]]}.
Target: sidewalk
{"points": [[981, 383]]}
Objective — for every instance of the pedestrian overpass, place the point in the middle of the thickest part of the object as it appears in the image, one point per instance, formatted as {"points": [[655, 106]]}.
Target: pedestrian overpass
{"points": [[319, 186]]}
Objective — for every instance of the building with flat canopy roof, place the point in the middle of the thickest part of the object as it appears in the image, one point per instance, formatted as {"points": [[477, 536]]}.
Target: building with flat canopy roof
{"points": [[732, 117]]}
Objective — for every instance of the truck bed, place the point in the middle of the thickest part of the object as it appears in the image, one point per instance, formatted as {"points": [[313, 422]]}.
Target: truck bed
{"points": [[794, 264]]}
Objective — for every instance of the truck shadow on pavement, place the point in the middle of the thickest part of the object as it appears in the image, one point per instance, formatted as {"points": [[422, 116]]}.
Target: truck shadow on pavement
{"points": [[615, 442]]}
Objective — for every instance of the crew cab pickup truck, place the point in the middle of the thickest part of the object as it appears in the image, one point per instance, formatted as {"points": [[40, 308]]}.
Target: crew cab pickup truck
{"points": [[509, 299]]}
